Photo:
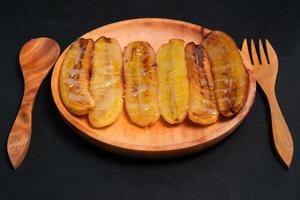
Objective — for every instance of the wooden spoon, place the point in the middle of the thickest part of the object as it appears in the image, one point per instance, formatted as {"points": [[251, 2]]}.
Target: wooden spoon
{"points": [[36, 58]]}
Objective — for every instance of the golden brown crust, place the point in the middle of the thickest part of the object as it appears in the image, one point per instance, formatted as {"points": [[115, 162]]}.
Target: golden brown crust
{"points": [[105, 82], [202, 105], [173, 81], [140, 83], [229, 73], [74, 77]]}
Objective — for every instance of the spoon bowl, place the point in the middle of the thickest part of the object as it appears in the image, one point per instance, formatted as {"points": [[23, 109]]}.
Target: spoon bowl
{"points": [[38, 55]]}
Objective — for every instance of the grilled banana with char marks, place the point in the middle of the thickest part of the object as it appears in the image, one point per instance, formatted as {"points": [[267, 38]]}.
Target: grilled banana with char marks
{"points": [[173, 81], [74, 77], [229, 73], [140, 83], [202, 105], [105, 83]]}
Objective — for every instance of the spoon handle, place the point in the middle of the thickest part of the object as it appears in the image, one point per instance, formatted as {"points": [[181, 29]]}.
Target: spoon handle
{"points": [[20, 134]]}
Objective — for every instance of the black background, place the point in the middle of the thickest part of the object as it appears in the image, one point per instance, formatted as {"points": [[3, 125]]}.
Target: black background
{"points": [[61, 165]]}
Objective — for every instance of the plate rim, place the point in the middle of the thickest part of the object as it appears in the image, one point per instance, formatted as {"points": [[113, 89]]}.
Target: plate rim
{"points": [[135, 149]]}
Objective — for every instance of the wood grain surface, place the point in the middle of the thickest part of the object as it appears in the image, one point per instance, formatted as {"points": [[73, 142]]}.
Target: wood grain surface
{"points": [[266, 73], [36, 59], [160, 140]]}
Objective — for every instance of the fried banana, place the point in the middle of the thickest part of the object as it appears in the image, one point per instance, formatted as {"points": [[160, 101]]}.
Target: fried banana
{"points": [[173, 90], [229, 73], [141, 83], [105, 83], [202, 105], [74, 77]]}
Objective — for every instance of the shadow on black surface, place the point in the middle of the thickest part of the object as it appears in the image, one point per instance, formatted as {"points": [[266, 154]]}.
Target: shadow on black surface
{"points": [[74, 139]]}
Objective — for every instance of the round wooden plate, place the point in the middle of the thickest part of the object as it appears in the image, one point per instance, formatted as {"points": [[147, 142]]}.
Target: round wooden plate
{"points": [[161, 140]]}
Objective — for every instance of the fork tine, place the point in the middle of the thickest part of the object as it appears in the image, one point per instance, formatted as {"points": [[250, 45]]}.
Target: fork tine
{"points": [[271, 53], [245, 50], [255, 60], [263, 57]]}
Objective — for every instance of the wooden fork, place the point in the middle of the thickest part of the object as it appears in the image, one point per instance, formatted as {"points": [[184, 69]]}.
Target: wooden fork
{"points": [[266, 72]]}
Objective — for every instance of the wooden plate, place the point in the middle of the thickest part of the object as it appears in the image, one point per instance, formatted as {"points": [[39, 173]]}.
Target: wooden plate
{"points": [[161, 140]]}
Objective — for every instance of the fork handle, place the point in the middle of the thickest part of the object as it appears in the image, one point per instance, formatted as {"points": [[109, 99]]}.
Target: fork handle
{"points": [[282, 137]]}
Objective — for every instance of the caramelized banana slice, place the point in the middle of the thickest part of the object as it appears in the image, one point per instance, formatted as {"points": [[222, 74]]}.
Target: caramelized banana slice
{"points": [[229, 73], [202, 105], [173, 81], [74, 77], [141, 83], [105, 83]]}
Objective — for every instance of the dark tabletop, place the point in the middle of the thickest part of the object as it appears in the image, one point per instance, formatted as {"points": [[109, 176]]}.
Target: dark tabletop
{"points": [[61, 165]]}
